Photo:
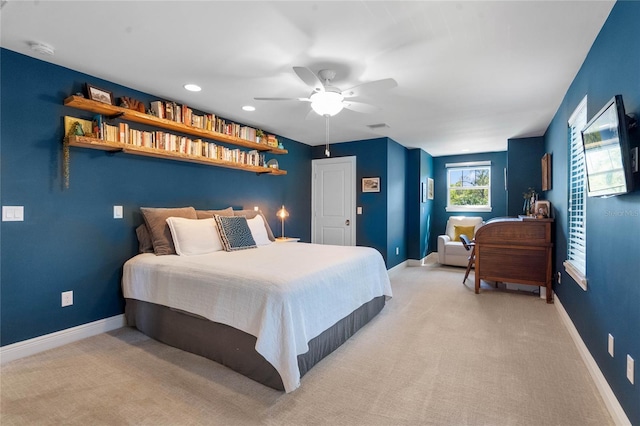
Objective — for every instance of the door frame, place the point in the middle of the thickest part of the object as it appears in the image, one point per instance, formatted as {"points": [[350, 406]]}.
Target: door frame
{"points": [[314, 167]]}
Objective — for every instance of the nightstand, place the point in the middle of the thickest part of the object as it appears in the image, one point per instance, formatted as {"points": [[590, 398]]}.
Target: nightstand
{"points": [[287, 240]]}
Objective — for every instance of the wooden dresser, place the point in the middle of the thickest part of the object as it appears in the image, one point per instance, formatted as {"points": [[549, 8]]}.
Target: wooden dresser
{"points": [[515, 250]]}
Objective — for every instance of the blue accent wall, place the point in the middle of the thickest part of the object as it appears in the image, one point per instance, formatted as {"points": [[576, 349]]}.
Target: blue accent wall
{"points": [[524, 164], [611, 303], [69, 239], [498, 193], [396, 205], [419, 213]]}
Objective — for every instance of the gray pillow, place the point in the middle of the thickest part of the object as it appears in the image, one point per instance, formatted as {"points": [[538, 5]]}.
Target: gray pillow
{"points": [[145, 245], [235, 233], [250, 214], [208, 214], [156, 221]]}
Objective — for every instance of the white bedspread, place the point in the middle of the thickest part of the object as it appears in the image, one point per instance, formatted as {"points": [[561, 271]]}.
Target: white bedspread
{"points": [[284, 294]]}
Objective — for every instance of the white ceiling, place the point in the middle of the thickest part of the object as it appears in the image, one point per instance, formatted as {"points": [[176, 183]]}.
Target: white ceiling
{"points": [[470, 74]]}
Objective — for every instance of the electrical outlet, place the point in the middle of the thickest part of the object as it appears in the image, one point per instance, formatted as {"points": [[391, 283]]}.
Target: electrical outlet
{"points": [[67, 298], [611, 345], [630, 364], [397, 251], [559, 278]]}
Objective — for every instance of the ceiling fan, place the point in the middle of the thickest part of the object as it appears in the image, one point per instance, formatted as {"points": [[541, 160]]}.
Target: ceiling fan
{"points": [[327, 100]]}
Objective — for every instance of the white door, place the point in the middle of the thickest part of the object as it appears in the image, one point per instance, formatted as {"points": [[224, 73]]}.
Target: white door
{"points": [[333, 201]]}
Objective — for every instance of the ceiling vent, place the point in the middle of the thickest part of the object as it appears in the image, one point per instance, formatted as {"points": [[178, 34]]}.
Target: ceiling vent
{"points": [[378, 126]]}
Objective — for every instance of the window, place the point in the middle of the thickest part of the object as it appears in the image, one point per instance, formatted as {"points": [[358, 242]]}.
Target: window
{"points": [[576, 262], [469, 187]]}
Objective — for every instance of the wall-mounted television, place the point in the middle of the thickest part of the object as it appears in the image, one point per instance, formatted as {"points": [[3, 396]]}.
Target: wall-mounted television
{"points": [[605, 140]]}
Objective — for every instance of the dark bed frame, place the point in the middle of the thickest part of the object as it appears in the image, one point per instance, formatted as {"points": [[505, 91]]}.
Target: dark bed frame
{"points": [[234, 348]]}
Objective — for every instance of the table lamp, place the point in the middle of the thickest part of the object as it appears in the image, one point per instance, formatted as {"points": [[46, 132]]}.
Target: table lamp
{"points": [[282, 213]]}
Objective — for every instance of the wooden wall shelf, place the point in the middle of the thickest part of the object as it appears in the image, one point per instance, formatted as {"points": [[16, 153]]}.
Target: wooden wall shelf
{"points": [[138, 117], [92, 143]]}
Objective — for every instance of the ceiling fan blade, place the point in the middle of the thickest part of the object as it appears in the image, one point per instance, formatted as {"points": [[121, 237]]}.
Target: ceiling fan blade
{"points": [[283, 99], [360, 107], [309, 78], [369, 87]]}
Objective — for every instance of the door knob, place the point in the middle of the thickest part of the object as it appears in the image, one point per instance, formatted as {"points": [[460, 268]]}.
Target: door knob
{"points": [[346, 222]]}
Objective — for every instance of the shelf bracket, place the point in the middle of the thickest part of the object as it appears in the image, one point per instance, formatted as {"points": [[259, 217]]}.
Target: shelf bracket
{"points": [[113, 116]]}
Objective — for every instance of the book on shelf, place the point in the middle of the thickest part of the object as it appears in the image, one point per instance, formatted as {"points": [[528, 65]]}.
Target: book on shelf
{"points": [[98, 126], [158, 109]]}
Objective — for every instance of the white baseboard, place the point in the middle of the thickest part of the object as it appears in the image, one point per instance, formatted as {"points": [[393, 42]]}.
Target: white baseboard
{"points": [[59, 338], [610, 400], [399, 267], [414, 262]]}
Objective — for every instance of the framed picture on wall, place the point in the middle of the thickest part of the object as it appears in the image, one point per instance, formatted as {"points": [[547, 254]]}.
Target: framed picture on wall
{"points": [[100, 95], [430, 188], [371, 184], [423, 192], [546, 172]]}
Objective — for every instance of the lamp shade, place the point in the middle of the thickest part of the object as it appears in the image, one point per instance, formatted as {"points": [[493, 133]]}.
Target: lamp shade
{"points": [[327, 103], [282, 213]]}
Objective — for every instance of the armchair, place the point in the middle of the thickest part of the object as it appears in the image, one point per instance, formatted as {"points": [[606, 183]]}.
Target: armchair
{"points": [[450, 248]]}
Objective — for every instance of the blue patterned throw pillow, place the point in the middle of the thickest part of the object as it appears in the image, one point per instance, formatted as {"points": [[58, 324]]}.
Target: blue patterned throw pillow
{"points": [[234, 233]]}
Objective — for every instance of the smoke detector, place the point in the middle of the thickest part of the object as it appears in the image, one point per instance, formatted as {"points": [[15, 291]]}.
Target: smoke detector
{"points": [[41, 48]]}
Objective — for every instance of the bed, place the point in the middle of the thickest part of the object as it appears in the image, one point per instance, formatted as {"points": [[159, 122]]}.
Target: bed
{"points": [[270, 313]]}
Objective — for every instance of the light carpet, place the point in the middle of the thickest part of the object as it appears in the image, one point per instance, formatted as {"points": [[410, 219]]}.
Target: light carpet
{"points": [[437, 354]]}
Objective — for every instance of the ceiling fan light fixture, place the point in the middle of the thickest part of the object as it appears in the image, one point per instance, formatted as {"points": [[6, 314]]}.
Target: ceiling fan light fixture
{"points": [[326, 103]]}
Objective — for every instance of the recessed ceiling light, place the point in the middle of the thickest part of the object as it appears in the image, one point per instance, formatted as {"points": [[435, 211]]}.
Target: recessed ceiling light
{"points": [[192, 87], [248, 108], [42, 48]]}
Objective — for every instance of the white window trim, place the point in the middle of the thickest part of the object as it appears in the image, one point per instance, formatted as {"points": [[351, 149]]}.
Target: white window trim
{"points": [[577, 276], [468, 209], [570, 266]]}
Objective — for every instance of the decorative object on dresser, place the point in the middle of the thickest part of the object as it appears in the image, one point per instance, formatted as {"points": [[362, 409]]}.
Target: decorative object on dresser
{"points": [[515, 250], [530, 198], [543, 209]]}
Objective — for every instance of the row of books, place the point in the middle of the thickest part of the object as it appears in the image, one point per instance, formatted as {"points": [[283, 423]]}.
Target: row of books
{"points": [[183, 114], [173, 143]]}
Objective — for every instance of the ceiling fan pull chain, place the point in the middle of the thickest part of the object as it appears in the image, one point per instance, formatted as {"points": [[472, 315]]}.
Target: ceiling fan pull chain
{"points": [[326, 149]]}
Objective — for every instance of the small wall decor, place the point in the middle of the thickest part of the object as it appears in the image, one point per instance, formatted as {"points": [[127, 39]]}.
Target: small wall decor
{"points": [[371, 184], [430, 188], [99, 95], [546, 172], [423, 192]]}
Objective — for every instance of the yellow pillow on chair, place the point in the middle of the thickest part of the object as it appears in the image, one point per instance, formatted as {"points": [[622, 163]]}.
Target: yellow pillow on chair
{"points": [[466, 230]]}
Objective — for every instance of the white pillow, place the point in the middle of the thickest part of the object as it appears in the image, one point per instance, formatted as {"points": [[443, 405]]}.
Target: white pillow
{"points": [[194, 236], [258, 231]]}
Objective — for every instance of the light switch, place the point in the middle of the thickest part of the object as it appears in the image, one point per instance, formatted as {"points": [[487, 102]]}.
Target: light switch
{"points": [[117, 212], [12, 213], [359, 210]]}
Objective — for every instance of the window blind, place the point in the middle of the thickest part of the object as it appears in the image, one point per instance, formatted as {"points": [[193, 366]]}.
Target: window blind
{"points": [[577, 245]]}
